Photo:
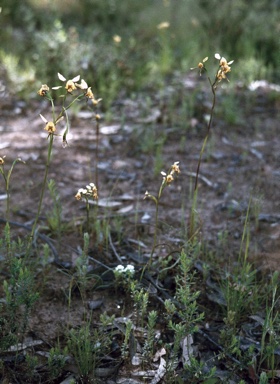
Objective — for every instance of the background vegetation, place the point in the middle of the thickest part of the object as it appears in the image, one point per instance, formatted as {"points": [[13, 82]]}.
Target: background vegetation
{"points": [[41, 38]]}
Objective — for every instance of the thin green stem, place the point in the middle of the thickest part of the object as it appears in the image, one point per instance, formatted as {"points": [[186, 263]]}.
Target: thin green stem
{"points": [[155, 237], [97, 153], [213, 88], [156, 224], [64, 112], [87, 209], [7, 229], [51, 100], [44, 185], [7, 178], [69, 105], [192, 215], [8, 194]]}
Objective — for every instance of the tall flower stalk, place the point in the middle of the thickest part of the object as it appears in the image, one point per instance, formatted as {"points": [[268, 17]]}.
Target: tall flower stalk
{"points": [[44, 185], [50, 126], [166, 181], [221, 74]]}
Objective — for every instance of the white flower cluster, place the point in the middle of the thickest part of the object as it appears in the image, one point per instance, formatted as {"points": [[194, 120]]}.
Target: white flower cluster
{"points": [[89, 191], [128, 270]]}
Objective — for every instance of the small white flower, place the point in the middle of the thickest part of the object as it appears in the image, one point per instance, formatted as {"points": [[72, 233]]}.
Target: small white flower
{"points": [[119, 268], [129, 269]]}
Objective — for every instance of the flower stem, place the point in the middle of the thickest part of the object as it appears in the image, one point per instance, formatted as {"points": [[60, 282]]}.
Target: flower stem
{"points": [[156, 224], [29, 245], [87, 209], [155, 238], [193, 211], [213, 88], [97, 154]]}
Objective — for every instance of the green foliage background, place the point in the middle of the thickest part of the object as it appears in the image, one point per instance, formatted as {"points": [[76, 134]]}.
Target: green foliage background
{"points": [[43, 37]]}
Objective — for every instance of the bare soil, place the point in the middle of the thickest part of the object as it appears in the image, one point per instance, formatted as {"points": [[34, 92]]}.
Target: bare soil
{"points": [[240, 167]]}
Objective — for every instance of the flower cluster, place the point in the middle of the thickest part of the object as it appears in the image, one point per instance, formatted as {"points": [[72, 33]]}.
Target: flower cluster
{"points": [[2, 161], [88, 92], [70, 86], [121, 270], [89, 191], [224, 67], [168, 178]]}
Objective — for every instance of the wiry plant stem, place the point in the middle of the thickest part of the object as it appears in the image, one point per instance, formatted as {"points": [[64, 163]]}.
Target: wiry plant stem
{"points": [[156, 224], [44, 185], [97, 153], [192, 214], [213, 88], [155, 237], [87, 209]]}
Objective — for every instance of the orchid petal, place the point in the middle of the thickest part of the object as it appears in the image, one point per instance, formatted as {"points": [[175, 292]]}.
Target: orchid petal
{"points": [[62, 78], [44, 120], [77, 78], [83, 85]]}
